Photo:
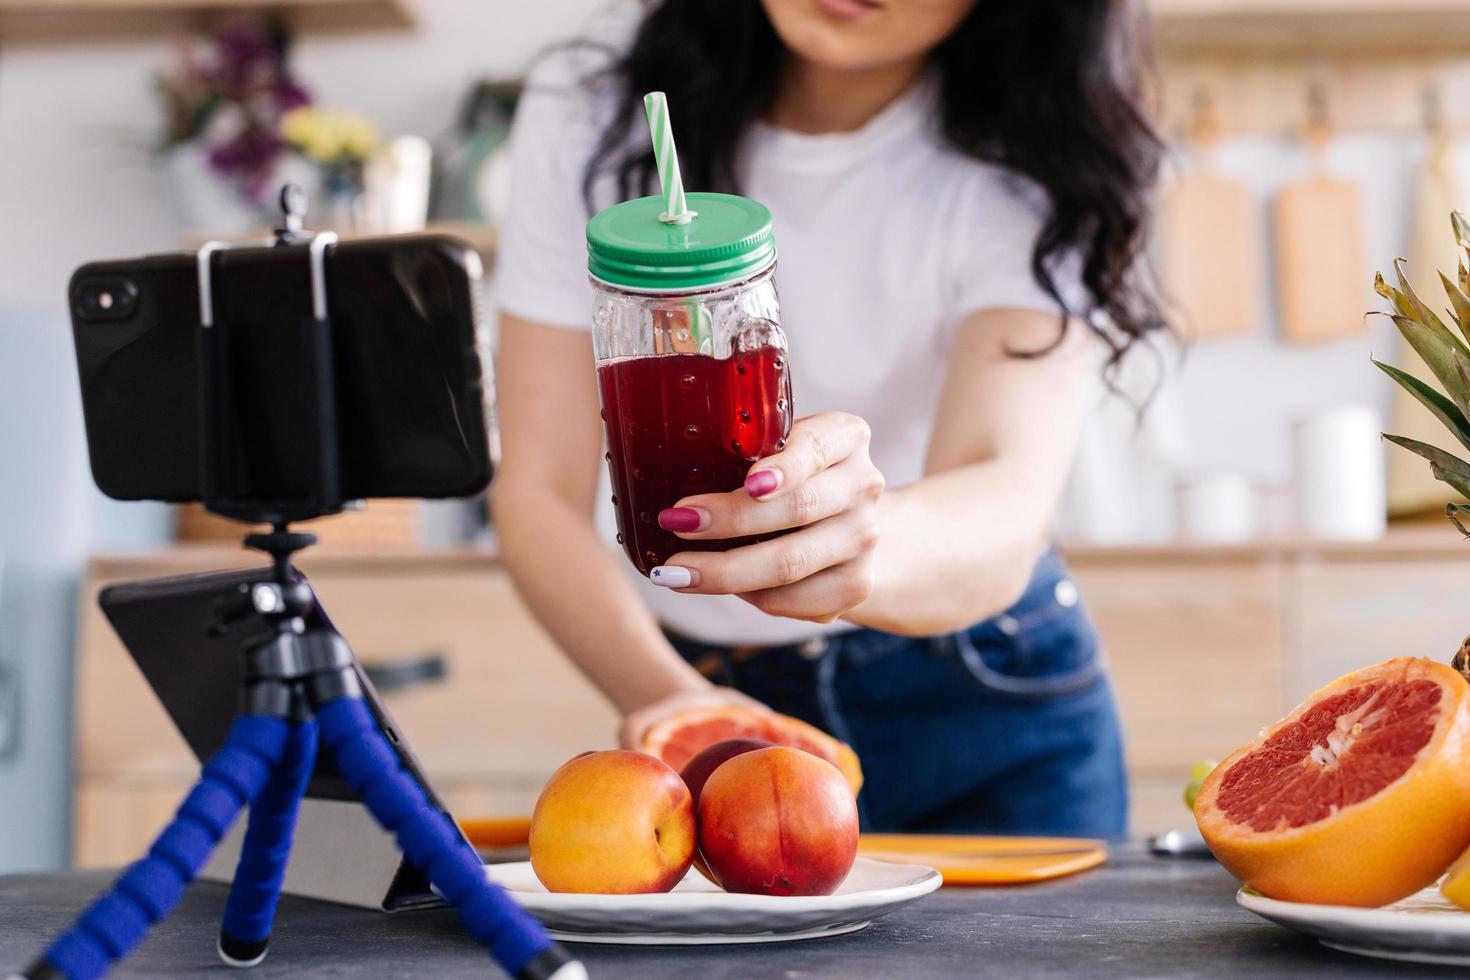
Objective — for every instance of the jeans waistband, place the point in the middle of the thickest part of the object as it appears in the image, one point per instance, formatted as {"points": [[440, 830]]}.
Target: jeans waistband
{"points": [[1049, 585]]}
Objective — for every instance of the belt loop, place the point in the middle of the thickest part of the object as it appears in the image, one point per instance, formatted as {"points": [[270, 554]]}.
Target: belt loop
{"points": [[814, 648], [828, 664]]}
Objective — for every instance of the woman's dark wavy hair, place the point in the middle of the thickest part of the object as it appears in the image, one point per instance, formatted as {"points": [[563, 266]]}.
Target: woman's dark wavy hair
{"points": [[1048, 89]]}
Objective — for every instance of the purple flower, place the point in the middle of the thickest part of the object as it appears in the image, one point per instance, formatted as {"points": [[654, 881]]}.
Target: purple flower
{"points": [[290, 95], [244, 52], [231, 97], [249, 159]]}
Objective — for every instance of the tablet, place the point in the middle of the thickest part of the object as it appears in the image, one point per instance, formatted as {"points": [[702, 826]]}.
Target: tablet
{"points": [[339, 852]]}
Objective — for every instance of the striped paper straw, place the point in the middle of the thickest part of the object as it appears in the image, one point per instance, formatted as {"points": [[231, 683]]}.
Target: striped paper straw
{"points": [[676, 210]]}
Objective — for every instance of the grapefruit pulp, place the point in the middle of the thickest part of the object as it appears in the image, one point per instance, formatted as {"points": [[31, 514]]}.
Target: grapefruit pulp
{"points": [[1360, 796], [680, 737]]}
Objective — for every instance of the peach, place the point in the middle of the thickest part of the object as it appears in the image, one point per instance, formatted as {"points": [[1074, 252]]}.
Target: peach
{"points": [[698, 770], [778, 821], [613, 822]]}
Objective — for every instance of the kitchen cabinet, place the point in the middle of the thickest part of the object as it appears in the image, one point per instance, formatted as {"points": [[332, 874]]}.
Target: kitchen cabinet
{"points": [[1209, 644], [1206, 645], [509, 709]]}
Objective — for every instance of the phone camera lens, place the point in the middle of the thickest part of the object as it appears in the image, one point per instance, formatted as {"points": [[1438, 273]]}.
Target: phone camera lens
{"points": [[105, 298]]}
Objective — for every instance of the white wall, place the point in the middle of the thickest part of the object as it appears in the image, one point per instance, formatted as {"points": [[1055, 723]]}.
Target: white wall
{"points": [[77, 181]]}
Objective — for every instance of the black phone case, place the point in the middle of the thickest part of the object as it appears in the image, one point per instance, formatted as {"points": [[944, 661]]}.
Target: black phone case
{"points": [[413, 398]]}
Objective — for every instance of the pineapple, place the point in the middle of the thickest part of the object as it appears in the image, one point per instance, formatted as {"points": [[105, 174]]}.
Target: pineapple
{"points": [[1448, 359]]}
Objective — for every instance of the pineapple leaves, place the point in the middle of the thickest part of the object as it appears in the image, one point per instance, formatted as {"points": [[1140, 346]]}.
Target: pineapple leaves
{"points": [[1443, 409], [1408, 304], [1456, 511], [1446, 468], [1449, 362], [1459, 302], [1461, 228]]}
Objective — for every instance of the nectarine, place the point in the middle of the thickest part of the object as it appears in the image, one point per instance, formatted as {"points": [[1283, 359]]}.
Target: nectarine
{"points": [[613, 822], [698, 770], [778, 821]]}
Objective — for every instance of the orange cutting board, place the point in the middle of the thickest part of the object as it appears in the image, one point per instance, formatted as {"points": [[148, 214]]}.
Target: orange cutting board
{"points": [[1320, 271], [966, 860], [496, 833], [961, 860]]}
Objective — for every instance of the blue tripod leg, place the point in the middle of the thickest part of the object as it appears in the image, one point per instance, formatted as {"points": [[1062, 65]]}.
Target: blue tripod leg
{"points": [[251, 907], [118, 920], [429, 839]]}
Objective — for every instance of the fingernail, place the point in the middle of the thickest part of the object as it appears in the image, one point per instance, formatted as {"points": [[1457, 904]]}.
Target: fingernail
{"points": [[762, 482], [673, 577], [681, 519]]}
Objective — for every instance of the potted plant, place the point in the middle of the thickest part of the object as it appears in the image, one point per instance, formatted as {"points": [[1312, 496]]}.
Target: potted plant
{"points": [[223, 105]]}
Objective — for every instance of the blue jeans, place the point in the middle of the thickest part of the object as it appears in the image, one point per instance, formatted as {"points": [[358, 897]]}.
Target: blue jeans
{"points": [[1008, 727]]}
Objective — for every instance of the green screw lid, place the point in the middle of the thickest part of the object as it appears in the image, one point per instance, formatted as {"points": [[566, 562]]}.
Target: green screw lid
{"points": [[729, 239]]}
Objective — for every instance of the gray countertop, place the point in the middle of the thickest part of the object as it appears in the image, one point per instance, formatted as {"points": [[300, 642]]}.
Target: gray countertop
{"points": [[1136, 917]]}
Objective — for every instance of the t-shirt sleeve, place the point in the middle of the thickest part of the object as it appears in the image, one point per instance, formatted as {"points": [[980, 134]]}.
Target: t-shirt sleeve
{"points": [[996, 218], [541, 259]]}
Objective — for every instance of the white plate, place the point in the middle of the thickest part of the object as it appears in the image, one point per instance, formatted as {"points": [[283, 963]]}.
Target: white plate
{"points": [[697, 912], [1423, 928]]}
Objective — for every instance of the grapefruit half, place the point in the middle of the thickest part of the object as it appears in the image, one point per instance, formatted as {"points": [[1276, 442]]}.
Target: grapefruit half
{"points": [[1360, 796], [682, 736]]}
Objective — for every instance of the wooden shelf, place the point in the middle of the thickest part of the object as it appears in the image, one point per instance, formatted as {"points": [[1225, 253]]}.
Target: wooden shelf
{"points": [[72, 20], [1309, 27]]}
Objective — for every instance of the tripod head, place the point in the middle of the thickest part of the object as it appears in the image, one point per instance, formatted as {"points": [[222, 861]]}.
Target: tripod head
{"points": [[280, 543], [285, 600]]}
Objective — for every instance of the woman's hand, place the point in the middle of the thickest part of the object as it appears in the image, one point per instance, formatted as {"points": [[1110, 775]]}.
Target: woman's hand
{"points": [[630, 735], [823, 490]]}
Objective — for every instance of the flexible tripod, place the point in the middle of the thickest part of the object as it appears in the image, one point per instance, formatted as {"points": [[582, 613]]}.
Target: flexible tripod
{"points": [[299, 690]]}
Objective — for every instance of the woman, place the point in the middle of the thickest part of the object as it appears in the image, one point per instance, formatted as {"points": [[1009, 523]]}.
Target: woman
{"points": [[959, 189]]}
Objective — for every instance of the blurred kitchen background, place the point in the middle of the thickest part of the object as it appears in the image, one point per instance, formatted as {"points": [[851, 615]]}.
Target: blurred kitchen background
{"points": [[1235, 545]]}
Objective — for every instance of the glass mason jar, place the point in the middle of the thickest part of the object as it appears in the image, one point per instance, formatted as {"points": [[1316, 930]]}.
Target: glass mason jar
{"points": [[691, 361]]}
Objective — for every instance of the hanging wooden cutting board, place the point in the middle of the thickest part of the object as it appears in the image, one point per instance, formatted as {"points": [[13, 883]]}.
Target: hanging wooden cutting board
{"points": [[1319, 260], [1210, 255]]}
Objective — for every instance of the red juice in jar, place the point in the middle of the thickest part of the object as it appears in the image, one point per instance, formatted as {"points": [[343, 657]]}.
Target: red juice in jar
{"points": [[691, 359], [685, 424]]}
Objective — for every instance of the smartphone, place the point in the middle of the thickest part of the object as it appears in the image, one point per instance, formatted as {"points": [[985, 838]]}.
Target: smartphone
{"points": [[403, 342]]}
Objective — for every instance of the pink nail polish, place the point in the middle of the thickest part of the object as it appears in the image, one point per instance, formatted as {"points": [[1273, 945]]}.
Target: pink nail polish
{"points": [[680, 519], [762, 482]]}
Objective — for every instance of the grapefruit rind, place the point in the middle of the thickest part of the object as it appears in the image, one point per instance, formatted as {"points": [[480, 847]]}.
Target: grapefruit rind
{"points": [[1372, 851], [680, 737]]}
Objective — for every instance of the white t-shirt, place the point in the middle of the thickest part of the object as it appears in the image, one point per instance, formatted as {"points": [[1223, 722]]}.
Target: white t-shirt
{"points": [[886, 240]]}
